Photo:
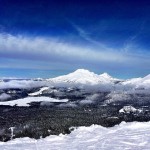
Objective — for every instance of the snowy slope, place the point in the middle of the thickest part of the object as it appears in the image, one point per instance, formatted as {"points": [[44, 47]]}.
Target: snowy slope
{"points": [[79, 76], [138, 83], [107, 77], [39, 92], [129, 136], [82, 76], [85, 77]]}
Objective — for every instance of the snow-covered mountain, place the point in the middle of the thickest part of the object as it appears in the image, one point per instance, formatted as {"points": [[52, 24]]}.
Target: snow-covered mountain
{"points": [[85, 79], [82, 76], [106, 76], [138, 83], [79, 76]]}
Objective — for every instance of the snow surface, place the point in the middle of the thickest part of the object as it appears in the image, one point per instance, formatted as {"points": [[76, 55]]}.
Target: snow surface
{"points": [[26, 101], [126, 136], [129, 109], [138, 83], [39, 92], [83, 76], [106, 76]]}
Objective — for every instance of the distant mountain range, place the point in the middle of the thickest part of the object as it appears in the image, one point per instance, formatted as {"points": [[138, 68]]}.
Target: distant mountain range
{"points": [[84, 78]]}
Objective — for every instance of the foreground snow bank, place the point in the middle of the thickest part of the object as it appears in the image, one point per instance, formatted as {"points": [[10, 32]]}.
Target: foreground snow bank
{"points": [[131, 136]]}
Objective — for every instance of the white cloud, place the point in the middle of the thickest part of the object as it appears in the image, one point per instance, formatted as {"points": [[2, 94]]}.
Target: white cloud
{"points": [[47, 48], [25, 84], [4, 97], [50, 50]]}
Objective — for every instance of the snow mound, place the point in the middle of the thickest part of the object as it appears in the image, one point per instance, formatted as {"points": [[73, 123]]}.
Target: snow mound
{"points": [[131, 136], [129, 109]]}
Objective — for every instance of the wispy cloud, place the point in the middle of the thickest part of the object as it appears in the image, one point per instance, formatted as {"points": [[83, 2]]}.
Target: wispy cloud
{"points": [[48, 49], [86, 35], [58, 53], [130, 44]]}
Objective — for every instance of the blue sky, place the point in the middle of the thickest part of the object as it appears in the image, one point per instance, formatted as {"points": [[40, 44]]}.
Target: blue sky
{"points": [[54, 37]]}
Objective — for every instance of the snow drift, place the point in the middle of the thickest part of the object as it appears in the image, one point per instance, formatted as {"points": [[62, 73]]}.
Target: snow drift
{"points": [[131, 136]]}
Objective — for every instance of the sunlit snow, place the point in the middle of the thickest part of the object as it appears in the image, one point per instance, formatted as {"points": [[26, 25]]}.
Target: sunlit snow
{"points": [[39, 92], [126, 136], [26, 101]]}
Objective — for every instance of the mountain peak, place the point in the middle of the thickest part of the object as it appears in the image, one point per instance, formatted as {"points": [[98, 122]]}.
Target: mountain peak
{"points": [[83, 71], [147, 77], [81, 76], [84, 77], [105, 75]]}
